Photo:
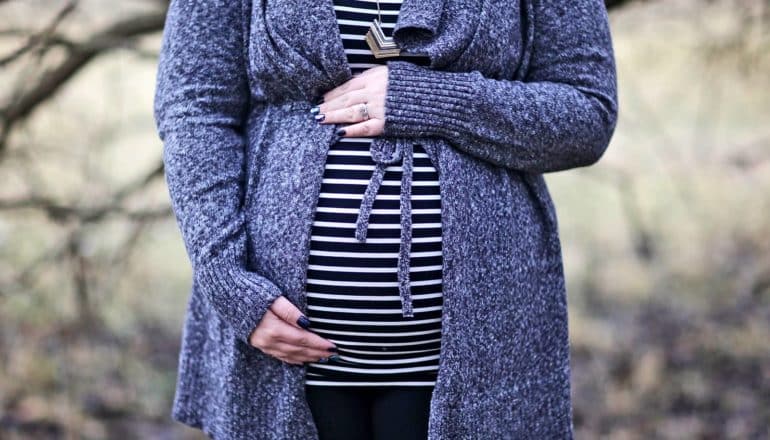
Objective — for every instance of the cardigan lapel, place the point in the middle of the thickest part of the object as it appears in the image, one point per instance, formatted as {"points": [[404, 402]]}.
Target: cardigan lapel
{"points": [[416, 25], [422, 16], [306, 32]]}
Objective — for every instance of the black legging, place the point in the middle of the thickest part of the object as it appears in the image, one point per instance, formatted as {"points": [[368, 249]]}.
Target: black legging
{"points": [[370, 412]]}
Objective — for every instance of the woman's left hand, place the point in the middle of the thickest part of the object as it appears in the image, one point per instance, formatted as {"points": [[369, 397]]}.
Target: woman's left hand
{"points": [[344, 103]]}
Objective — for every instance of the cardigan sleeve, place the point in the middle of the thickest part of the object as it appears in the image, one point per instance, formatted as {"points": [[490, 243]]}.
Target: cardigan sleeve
{"points": [[561, 115], [201, 99]]}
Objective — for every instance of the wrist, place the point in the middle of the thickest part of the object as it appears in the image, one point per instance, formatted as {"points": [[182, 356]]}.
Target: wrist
{"points": [[423, 102]]}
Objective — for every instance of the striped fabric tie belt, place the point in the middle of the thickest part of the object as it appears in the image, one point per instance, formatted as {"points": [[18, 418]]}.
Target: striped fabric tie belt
{"points": [[384, 152]]}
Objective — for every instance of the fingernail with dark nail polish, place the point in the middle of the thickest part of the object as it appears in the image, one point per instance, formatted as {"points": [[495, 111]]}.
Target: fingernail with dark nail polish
{"points": [[340, 132], [334, 357], [320, 117], [315, 110], [333, 349], [303, 322], [323, 360]]}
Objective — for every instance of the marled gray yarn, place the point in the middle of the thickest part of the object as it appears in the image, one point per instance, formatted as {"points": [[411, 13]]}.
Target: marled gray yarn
{"points": [[510, 93]]}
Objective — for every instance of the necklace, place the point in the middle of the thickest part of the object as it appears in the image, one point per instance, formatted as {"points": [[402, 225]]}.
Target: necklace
{"points": [[381, 45]]}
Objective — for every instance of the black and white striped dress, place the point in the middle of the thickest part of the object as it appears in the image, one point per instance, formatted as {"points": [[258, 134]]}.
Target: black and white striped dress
{"points": [[352, 290]]}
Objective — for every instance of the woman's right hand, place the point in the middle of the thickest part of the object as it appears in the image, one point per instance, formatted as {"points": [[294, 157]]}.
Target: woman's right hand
{"points": [[280, 335]]}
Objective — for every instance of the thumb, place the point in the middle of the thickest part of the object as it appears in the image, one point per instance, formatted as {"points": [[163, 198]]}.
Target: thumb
{"points": [[287, 311]]}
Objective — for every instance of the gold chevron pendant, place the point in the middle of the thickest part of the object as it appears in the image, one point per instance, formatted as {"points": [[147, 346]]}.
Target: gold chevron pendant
{"points": [[381, 45]]}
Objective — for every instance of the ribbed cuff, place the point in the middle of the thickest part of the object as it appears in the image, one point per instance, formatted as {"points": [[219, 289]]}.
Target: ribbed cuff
{"points": [[240, 297], [423, 102]]}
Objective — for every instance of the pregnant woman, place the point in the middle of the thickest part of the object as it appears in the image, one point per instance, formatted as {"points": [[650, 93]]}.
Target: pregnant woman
{"points": [[359, 187]]}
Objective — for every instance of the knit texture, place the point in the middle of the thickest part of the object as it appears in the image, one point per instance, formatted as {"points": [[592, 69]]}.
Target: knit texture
{"points": [[511, 93]]}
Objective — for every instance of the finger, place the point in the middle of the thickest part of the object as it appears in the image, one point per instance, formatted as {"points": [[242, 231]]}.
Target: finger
{"points": [[281, 331], [371, 127], [268, 331], [261, 336], [289, 313], [288, 360], [299, 353], [330, 109], [354, 83], [347, 115], [281, 355], [301, 337]]}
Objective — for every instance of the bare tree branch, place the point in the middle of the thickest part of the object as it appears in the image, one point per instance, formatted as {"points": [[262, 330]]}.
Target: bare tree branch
{"points": [[41, 37], [61, 212], [51, 81]]}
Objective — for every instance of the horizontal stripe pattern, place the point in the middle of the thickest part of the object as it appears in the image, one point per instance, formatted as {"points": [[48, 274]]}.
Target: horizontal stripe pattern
{"points": [[353, 20], [352, 287]]}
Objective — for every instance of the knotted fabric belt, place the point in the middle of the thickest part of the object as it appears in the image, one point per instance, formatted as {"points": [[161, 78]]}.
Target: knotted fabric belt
{"points": [[387, 151]]}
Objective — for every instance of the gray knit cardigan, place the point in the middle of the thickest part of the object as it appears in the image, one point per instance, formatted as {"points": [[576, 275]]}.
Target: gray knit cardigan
{"points": [[513, 90]]}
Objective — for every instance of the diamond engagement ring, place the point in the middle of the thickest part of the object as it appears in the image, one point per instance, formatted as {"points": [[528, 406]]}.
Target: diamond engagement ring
{"points": [[364, 112]]}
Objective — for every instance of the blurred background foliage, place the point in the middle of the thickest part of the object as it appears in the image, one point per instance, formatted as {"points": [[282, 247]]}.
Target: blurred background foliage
{"points": [[665, 240]]}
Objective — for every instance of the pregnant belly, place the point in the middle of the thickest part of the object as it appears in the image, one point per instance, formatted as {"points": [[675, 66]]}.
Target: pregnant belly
{"points": [[352, 289]]}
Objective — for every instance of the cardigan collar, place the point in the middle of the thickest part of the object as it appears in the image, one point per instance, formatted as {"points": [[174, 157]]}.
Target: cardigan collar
{"points": [[314, 48], [293, 39], [420, 15]]}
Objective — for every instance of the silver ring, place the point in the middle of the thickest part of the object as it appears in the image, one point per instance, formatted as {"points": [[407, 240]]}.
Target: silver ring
{"points": [[364, 112]]}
